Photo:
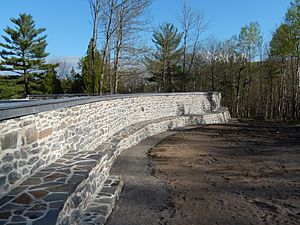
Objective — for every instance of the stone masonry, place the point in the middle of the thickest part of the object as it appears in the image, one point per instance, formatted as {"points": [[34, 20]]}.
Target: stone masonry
{"points": [[54, 163]]}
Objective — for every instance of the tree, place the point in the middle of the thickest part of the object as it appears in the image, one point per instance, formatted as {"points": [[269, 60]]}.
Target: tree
{"points": [[213, 55], [11, 87], [107, 29], [129, 21], [292, 19], [166, 58], [88, 67], [24, 49], [193, 25], [284, 48], [249, 44], [120, 23], [95, 11], [250, 40], [50, 84], [77, 82]]}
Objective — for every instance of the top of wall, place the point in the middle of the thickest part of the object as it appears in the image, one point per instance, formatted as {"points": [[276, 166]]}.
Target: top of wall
{"points": [[14, 109]]}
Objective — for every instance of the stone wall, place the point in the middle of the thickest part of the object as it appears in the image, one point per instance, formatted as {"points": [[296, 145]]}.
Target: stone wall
{"points": [[31, 142]]}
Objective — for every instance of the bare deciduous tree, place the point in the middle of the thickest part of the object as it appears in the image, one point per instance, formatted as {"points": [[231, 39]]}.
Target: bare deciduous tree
{"points": [[129, 21], [95, 6], [193, 24]]}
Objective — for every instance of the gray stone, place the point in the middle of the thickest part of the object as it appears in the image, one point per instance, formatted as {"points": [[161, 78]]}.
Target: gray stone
{"points": [[38, 207], [17, 154], [65, 221], [33, 160], [23, 141], [76, 200], [21, 163], [2, 180], [6, 168], [55, 146], [34, 215], [8, 157], [25, 171], [9, 140], [18, 219], [56, 205], [27, 122], [56, 197], [35, 151], [35, 145], [76, 216], [49, 219], [36, 166], [18, 190], [13, 177], [23, 154]]}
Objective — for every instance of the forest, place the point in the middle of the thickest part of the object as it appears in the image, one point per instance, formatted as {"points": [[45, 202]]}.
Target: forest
{"points": [[257, 79]]}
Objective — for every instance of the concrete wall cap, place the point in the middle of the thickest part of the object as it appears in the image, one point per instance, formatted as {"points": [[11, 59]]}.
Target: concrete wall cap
{"points": [[14, 109]]}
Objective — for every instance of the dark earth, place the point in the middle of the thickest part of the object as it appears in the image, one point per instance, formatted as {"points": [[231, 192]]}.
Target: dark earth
{"points": [[237, 173]]}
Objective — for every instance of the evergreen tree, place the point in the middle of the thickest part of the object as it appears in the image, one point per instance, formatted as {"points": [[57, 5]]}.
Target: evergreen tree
{"points": [[77, 82], [89, 67], [24, 49], [50, 84], [164, 66]]}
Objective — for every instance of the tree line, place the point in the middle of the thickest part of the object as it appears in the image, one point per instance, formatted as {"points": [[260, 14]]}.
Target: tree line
{"points": [[257, 79]]}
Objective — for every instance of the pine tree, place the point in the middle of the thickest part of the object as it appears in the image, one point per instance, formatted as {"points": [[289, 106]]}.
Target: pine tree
{"points": [[77, 82], [164, 66], [24, 49], [50, 84]]}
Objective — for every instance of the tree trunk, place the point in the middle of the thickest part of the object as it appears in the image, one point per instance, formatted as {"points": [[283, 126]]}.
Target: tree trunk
{"points": [[25, 77], [93, 68]]}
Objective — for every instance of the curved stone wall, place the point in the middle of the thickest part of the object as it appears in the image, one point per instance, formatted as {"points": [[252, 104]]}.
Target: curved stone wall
{"points": [[35, 134]]}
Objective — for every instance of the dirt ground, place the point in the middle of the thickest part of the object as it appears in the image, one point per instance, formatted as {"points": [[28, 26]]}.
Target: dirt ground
{"points": [[232, 174], [237, 173]]}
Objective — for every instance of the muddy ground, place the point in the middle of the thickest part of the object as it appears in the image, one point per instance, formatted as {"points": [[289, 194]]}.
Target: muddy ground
{"points": [[237, 173]]}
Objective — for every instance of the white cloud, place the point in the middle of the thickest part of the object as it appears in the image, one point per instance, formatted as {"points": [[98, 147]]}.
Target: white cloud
{"points": [[70, 60]]}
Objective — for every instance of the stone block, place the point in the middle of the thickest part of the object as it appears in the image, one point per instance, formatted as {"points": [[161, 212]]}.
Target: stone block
{"points": [[63, 125], [2, 180], [9, 140], [25, 171], [23, 199], [31, 135], [17, 154], [33, 160], [13, 177], [8, 157], [45, 133], [6, 168], [21, 163]]}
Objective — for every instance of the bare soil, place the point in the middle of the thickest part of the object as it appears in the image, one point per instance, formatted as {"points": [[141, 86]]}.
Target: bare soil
{"points": [[233, 174], [237, 173]]}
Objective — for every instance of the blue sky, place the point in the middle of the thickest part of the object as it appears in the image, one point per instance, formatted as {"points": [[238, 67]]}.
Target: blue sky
{"points": [[68, 22]]}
